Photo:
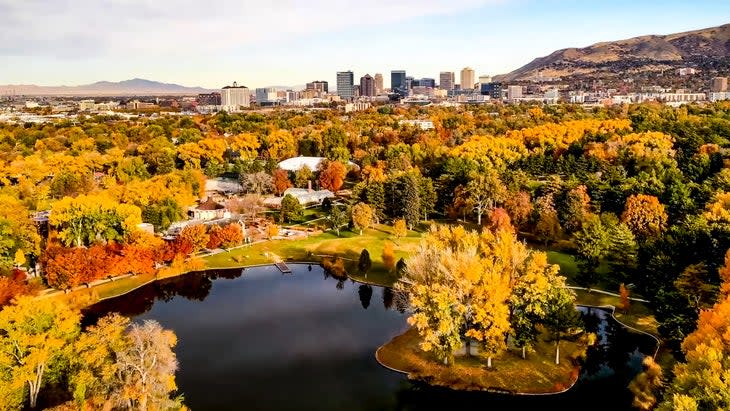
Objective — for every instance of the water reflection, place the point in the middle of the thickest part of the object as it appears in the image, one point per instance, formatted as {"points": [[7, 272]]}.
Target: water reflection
{"points": [[267, 341]]}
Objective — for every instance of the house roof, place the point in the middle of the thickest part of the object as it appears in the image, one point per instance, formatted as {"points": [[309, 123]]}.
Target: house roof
{"points": [[209, 204]]}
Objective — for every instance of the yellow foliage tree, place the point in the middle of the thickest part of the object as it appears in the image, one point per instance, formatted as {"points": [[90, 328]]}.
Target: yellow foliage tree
{"points": [[644, 215]]}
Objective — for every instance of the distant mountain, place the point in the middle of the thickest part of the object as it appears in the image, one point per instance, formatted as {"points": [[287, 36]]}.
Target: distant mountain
{"points": [[703, 49], [132, 87]]}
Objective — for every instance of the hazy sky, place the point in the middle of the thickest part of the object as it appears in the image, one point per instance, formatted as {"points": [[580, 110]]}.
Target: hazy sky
{"points": [[287, 42]]}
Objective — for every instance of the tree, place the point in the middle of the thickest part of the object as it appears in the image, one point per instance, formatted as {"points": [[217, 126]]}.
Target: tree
{"points": [[693, 283], [231, 235], [645, 384], [93, 377], [548, 224], [36, 335], [519, 207], [411, 200], [272, 230], [577, 208], [485, 192], [644, 215], [592, 245], [388, 256], [362, 216], [623, 252], [624, 296], [146, 367], [562, 316], [19, 258], [290, 210], [162, 214], [86, 219], [400, 229], [303, 176], [280, 180], [257, 183], [427, 197], [331, 175], [196, 235], [337, 217], [364, 263], [468, 285], [701, 381]]}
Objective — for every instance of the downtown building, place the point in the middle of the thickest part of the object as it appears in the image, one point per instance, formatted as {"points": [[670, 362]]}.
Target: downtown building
{"points": [[446, 80], [235, 97], [398, 83], [378, 84], [367, 86], [319, 86], [345, 84], [467, 78]]}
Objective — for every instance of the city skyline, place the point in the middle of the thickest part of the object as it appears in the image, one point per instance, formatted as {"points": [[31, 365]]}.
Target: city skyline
{"points": [[285, 44]]}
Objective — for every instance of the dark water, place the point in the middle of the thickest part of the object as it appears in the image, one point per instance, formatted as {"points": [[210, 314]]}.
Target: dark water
{"points": [[305, 341]]}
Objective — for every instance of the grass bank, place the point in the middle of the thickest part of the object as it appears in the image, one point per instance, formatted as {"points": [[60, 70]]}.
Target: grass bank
{"points": [[347, 246]]}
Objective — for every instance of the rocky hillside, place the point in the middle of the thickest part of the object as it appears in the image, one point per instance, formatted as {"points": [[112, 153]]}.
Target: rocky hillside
{"points": [[703, 49]]}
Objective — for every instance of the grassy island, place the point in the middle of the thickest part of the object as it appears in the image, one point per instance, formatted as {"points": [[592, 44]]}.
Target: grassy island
{"points": [[537, 374]]}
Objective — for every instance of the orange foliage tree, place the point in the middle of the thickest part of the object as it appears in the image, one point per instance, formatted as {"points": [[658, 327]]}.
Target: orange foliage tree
{"points": [[281, 181], [332, 175]]}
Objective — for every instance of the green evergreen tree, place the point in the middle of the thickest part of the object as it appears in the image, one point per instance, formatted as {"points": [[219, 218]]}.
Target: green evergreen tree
{"points": [[291, 210], [411, 201], [592, 243]]}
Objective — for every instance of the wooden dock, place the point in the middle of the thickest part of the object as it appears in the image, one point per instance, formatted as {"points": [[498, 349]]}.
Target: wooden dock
{"points": [[283, 267]]}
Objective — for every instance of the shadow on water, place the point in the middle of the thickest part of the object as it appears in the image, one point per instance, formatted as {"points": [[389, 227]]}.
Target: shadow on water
{"points": [[262, 340]]}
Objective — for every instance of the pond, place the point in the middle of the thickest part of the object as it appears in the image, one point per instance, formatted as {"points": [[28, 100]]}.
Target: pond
{"points": [[263, 340]]}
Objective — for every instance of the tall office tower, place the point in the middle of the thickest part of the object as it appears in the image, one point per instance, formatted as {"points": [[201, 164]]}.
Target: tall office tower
{"points": [[718, 85], [367, 86], [378, 83], [235, 97], [398, 82], [446, 80], [318, 85], [467, 78], [345, 83]]}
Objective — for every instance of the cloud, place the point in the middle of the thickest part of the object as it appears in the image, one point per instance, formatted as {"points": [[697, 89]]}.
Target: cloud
{"points": [[164, 28]]}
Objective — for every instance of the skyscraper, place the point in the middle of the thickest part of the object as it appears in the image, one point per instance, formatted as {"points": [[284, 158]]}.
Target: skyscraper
{"points": [[398, 82], [467, 78], [378, 83], [446, 80], [367, 86], [345, 83], [235, 97]]}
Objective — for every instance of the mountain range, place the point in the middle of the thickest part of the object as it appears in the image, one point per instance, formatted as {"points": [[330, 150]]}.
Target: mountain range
{"points": [[137, 86], [705, 49]]}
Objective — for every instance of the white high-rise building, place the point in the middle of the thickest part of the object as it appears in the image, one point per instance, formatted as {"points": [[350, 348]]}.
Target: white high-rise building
{"points": [[467, 78], [235, 97]]}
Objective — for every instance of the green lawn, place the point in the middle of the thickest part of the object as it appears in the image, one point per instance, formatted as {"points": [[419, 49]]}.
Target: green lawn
{"points": [[348, 246]]}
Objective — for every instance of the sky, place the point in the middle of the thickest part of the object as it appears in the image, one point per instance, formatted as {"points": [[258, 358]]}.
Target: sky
{"points": [[290, 42]]}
